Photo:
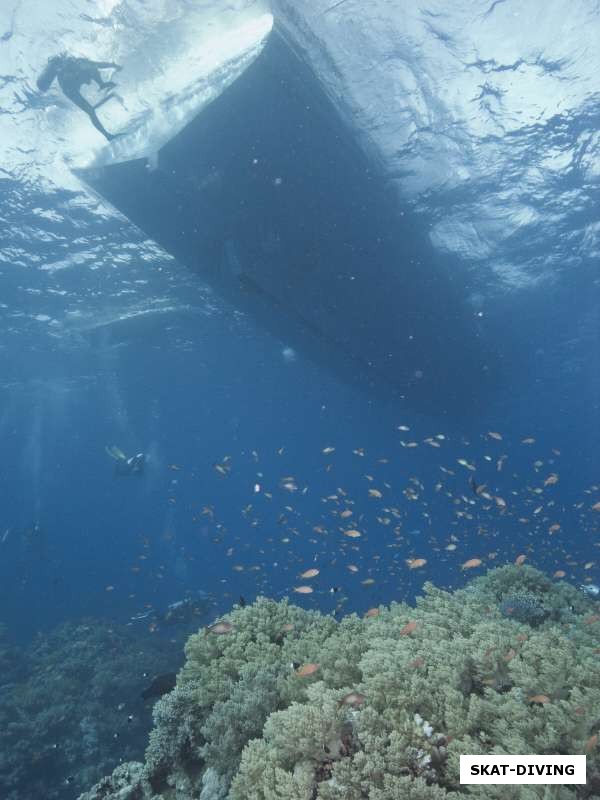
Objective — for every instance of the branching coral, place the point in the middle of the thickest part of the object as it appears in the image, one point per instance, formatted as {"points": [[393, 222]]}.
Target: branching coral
{"points": [[389, 702]]}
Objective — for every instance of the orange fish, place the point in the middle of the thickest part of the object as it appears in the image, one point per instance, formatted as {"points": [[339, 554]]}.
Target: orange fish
{"points": [[303, 589], [307, 669], [409, 628], [596, 507], [520, 560], [472, 563], [287, 627], [415, 563], [592, 619], [591, 743], [353, 534], [417, 662], [220, 628], [353, 699], [560, 573], [372, 612], [540, 699], [310, 573]]}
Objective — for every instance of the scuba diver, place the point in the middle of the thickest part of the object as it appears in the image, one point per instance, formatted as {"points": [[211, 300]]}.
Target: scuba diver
{"points": [[32, 539], [72, 73], [181, 612], [134, 465]]}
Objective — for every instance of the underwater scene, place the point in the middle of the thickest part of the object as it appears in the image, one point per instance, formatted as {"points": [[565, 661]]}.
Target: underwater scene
{"points": [[299, 398]]}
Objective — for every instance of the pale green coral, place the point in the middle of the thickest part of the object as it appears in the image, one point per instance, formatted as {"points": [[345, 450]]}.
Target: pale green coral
{"points": [[233, 722], [460, 678], [261, 776]]}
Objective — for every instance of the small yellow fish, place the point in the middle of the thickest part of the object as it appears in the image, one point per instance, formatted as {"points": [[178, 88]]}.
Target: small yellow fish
{"points": [[307, 669], [553, 528], [310, 573], [540, 699], [220, 628], [409, 628], [354, 699]]}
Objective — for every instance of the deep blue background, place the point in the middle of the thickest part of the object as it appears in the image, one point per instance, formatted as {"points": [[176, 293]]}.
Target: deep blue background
{"points": [[190, 388]]}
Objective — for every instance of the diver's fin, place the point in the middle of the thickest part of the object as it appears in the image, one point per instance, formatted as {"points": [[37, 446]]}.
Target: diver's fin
{"points": [[115, 452]]}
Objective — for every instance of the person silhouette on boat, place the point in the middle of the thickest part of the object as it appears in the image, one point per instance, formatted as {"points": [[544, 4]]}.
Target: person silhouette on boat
{"points": [[72, 73]]}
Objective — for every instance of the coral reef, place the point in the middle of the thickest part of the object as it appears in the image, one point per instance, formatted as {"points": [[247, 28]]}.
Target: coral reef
{"points": [[286, 704], [70, 707]]}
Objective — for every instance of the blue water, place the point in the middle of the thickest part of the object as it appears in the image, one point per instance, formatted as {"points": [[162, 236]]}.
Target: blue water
{"points": [[196, 384], [206, 389], [190, 390]]}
